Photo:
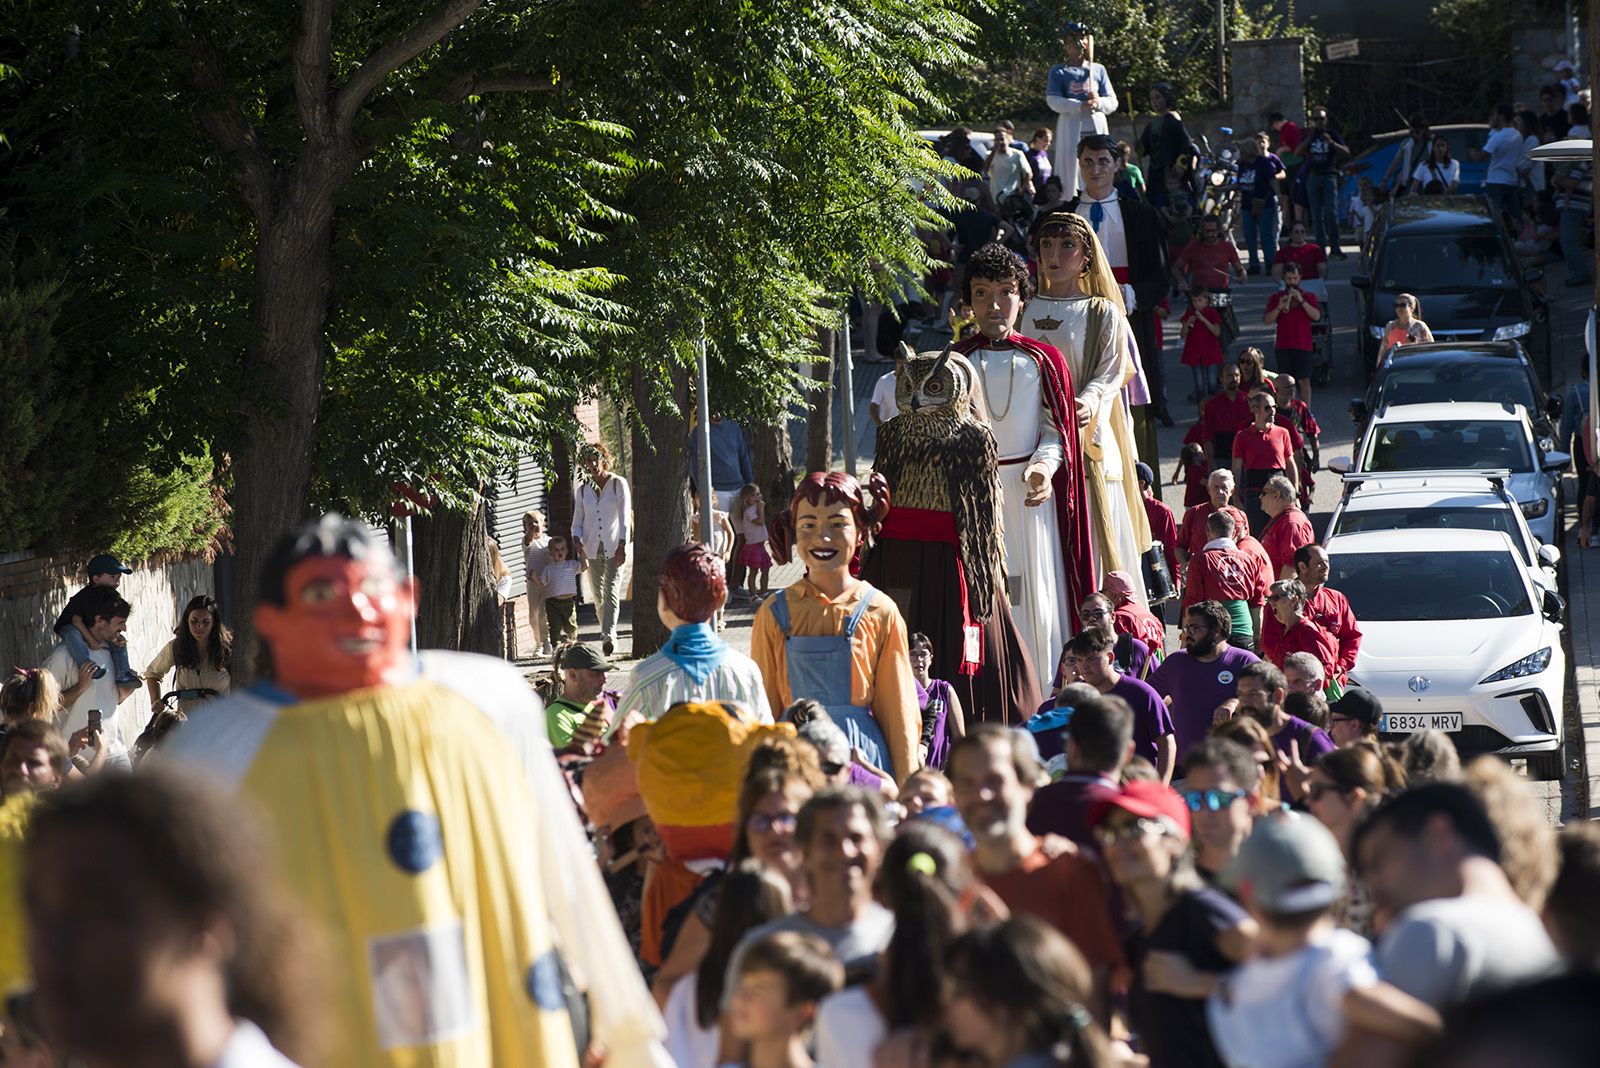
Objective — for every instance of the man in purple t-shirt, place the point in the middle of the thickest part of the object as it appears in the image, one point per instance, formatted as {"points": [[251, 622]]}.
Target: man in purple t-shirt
{"points": [[1204, 674], [1300, 745], [1089, 655], [1099, 740]]}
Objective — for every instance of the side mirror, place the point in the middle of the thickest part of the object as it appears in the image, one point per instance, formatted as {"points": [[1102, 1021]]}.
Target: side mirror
{"points": [[1556, 461], [1549, 555], [1555, 607], [1340, 465], [1361, 281], [1533, 274]]}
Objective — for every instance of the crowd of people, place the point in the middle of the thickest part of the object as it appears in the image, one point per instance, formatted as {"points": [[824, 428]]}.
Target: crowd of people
{"points": [[888, 836]]}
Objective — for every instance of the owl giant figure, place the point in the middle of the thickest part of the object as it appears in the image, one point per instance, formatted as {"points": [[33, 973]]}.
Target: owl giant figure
{"points": [[941, 554]]}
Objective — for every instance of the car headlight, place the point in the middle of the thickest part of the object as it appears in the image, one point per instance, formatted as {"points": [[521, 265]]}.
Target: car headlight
{"points": [[1528, 665], [1534, 509], [1376, 331], [1506, 333], [1218, 177]]}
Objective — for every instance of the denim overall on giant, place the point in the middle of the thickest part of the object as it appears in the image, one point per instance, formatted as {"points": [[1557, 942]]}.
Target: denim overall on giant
{"points": [[819, 668]]}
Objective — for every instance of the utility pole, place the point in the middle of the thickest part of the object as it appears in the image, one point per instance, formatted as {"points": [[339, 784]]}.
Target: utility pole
{"points": [[847, 395], [703, 432]]}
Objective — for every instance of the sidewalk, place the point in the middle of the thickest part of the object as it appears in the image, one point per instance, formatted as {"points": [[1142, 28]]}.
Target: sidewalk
{"points": [[1582, 573]]}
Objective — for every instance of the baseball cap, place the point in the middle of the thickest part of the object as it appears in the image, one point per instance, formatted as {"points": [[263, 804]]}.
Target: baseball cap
{"points": [[1151, 799], [1290, 863], [1075, 29], [106, 564], [1144, 472], [585, 656], [1359, 704]]}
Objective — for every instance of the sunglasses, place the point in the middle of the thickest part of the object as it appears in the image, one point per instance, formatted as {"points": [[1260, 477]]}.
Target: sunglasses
{"points": [[1402, 304], [784, 823], [1317, 791], [1108, 835], [1212, 800]]}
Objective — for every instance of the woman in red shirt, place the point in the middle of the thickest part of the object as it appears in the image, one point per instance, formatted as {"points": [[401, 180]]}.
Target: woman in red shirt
{"points": [[1308, 254], [1260, 451]]}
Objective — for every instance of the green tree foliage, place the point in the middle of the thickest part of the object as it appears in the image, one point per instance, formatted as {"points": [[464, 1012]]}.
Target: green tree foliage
{"points": [[1480, 31]]}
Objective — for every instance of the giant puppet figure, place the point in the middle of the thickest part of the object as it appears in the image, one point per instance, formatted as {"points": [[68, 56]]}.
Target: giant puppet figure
{"points": [[1030, 408], [943, 470], [1079, 310], [425, 827]]}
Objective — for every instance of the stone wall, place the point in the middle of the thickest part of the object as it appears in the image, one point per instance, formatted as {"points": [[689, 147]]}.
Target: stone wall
{"points": [[1267, 76], [1536, 48], [34, 589]]}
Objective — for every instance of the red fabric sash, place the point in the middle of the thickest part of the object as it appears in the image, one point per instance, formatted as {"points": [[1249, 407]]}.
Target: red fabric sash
{"points": [[926, 524], [1121, 274]]}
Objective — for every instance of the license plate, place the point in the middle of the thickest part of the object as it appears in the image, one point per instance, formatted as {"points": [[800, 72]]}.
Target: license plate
{"points": [[1411, 722]]}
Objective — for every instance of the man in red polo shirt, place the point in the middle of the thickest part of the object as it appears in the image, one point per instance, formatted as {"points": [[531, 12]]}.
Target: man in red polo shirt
{"points": [[1209, 262], [1326, 606], [1297, 632], [1292, 311], [1224, 414], [1287, 528], [1192, 535], [1260, 451]]}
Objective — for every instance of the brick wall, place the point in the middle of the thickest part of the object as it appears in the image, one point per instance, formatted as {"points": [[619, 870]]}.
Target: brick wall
{"points": [[34, 589]]}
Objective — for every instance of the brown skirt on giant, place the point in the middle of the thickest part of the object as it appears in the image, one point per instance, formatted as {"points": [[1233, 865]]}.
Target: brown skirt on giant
{"points": [[921, 577]]}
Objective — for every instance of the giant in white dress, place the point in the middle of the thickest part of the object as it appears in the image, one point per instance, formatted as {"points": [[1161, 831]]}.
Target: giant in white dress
{"points": [[1098, 378], [1019, 417]]}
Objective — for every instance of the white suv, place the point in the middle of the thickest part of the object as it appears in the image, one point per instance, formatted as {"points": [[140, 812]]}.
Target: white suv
{"points": [[1459, 437], [1457, 635]]}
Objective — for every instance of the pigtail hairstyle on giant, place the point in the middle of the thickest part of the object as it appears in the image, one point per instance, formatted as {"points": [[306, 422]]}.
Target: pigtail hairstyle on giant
{"points": [[831, 487]]}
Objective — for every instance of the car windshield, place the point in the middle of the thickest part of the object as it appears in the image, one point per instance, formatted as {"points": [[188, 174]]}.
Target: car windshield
{"points": [[1434, 517], [1448, 445], [1468, 379], [1396, 587], [1437, 263]]}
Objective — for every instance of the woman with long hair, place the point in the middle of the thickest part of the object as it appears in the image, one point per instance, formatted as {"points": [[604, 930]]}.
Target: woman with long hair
{"points": [[751, 895], [535, 558], [1345, 786], [29, 693], [832, 637], [1406, 328], [1438, 173], [158, 932], [1017, 994], [1079, 310], [200, 653], [924, 879], [601, 523]]}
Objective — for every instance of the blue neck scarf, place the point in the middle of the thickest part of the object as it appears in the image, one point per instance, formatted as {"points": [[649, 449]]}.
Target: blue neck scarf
{"points": [[696, 649]]}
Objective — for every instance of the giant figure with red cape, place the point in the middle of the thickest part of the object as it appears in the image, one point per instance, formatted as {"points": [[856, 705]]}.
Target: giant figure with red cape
{"points": [[1029, 406]]}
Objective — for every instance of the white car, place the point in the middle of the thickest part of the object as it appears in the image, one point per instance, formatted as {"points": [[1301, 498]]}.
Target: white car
{"points": [[1457, 635], [1424, 500], [1466, 436]]}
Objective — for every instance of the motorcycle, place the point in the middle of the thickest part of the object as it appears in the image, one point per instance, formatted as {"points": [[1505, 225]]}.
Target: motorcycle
{"points": [[1218, 175]]}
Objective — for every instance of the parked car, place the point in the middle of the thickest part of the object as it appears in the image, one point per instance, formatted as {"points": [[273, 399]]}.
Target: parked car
{"points": [[1441, 500], [1457, 635], [1466, 437], [1454, 255], [1374, 162], [1493, 371]]}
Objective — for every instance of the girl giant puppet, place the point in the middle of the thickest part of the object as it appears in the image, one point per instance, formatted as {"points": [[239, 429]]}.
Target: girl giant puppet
{"points": [[834, 638]]}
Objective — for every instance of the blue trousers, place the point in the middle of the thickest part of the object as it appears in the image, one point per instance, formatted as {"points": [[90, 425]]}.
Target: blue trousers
{"points": [[1261, 229], [1322, 191]]}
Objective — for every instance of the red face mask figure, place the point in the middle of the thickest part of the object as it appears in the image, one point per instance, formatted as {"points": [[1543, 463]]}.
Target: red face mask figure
{"points": [[345, 624]]}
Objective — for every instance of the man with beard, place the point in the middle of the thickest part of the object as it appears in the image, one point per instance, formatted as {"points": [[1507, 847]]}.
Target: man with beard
{"points": [[1262, 689], [994, 782], [1325, 606], [1201, 676]]}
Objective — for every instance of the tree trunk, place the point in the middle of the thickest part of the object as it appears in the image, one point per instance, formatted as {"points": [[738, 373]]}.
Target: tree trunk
{"points": [[819, 410], [558, 489], [272, 470], [772, 456], [660, 498], [456, 604]]}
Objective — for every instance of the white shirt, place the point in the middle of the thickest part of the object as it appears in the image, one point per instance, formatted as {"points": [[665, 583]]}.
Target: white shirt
{"points": [[688, 1044], [1005, 173], [657, 683], [101, 694], [248, 1048], [1018, 415], [1505, 149], [883, 397], [601, 518], [849, 1029], [1448, 173], [1113, 236]]}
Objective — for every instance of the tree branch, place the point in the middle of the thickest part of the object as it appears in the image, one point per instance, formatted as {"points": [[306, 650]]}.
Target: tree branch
{"points": [[475, 84], [313, 58], [223, 118], [396, 54]]}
